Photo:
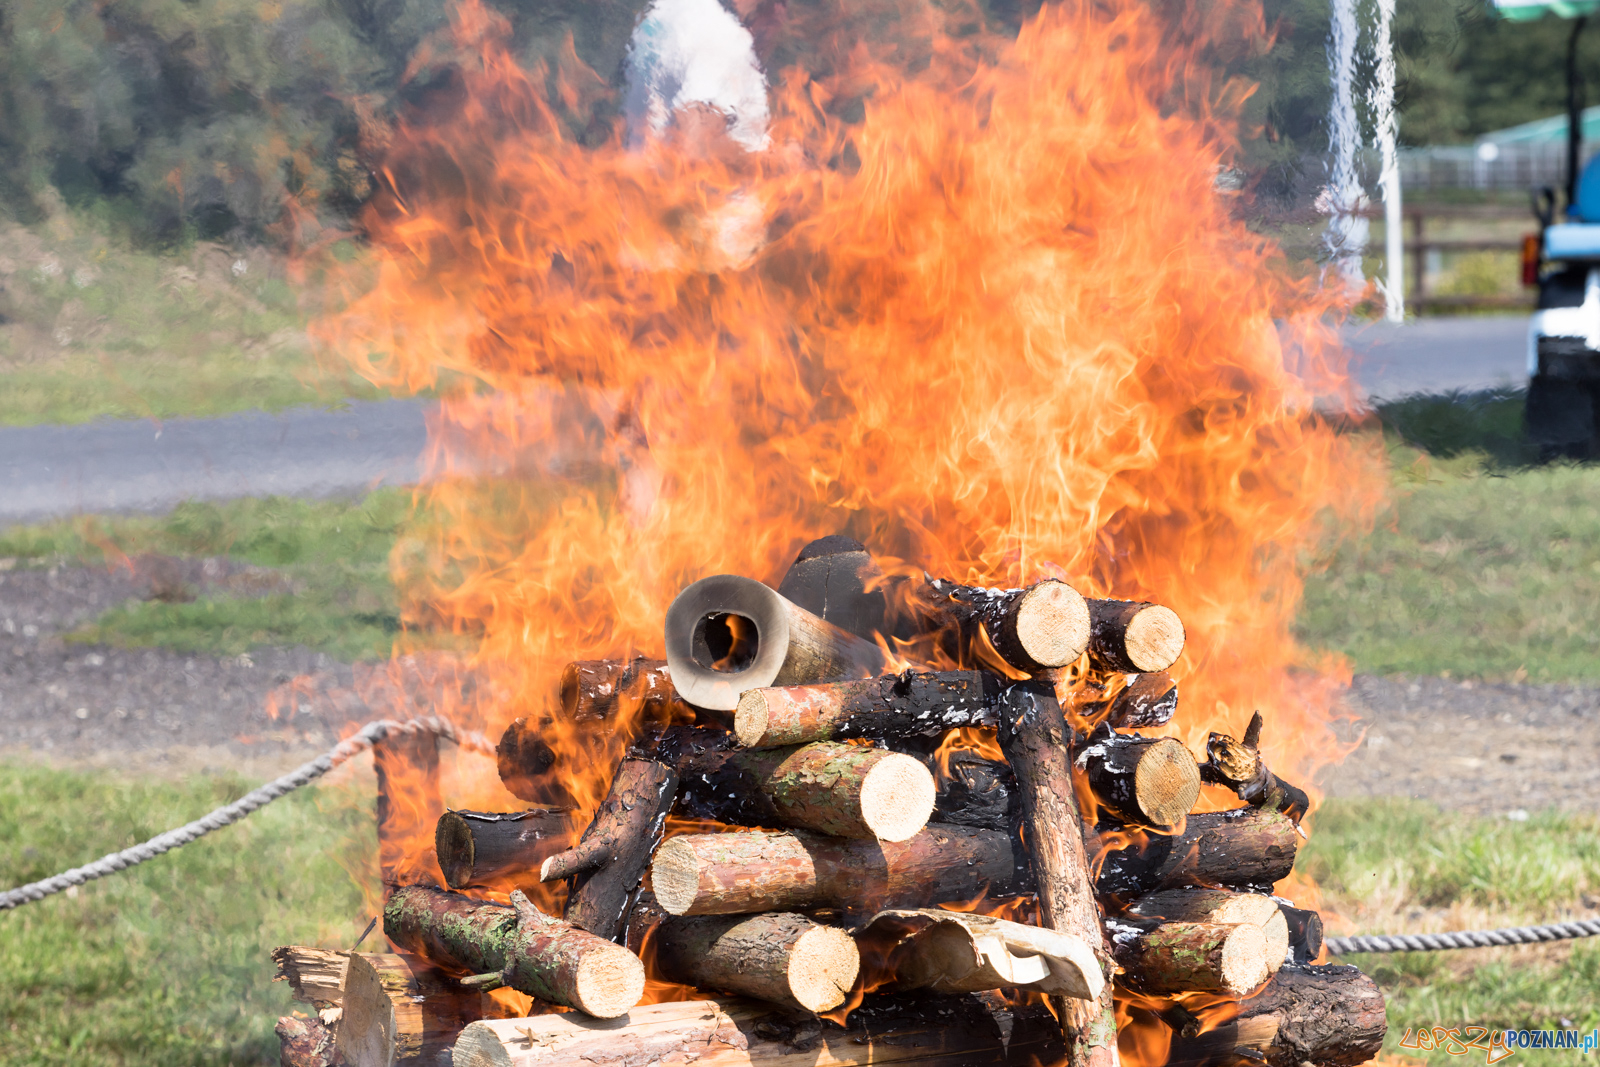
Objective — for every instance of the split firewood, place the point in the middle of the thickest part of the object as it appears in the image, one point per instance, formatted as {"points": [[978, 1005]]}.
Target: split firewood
{"points": [[753, 870], [963, 952], [726, 635], [407, 766], [1184, 957], [315, 975], [1221, 906], [1014, 631], [977, 792], [917, 1030], [478, 848], [531, 952], [1305, 934], [844, 790], [782, 958], [1133, 637], [398, 1007], [1033, 735], [1145, 700], [1239, 766], [831, 578], [1241, 849], [527, 766], [910, 704], [1146, 781], [1329, 1016], [597, 690]]}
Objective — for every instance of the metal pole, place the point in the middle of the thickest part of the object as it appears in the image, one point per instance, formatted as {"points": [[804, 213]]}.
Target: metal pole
{"points": [[1382, 99], [1574, 116]]}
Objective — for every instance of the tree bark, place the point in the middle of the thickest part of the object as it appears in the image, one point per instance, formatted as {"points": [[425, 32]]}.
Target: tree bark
{"points": [[400, 1007], [1033, 735], [1146, 781], [782, 958], [1014, 631], [1132, 637], [1188, 957], [1328, 1016], [963, 952], [829, 578], [1145, 700], [409, 801], [546, 958], [528, 768], [1239, 766], [482, 848], [1241, 849], [844, 790], [634, 690], [753, 871], [610, 859], [1196, 905], [910, 704], [315, 975]]}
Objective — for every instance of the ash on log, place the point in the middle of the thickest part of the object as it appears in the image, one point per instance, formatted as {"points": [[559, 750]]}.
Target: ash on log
{"points": [[527, 766], [599, 690], [478, 848], [1189, 957], [1145, 700], [1133, 637], [1196, 905], [1239, 766], [726, 634], [844, 790], [1243, 849], [752, 870], [830, 579], [398, 1008], [960, 952], [1034, 735], [1146, 781], [782, 958], [610, 859], [407, 766], [910, 704], [1016, 631], [546, 958], [1327, 1015]]}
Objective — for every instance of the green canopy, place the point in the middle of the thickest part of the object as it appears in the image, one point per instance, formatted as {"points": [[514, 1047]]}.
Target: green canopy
{"points": [[1533, 9]]}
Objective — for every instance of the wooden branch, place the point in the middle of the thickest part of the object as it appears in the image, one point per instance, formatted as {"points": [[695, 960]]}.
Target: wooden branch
{"points": [[399, 1007], [1026, 631], [1329, 1016], [315, 975], [479, 848], [600, 690], [1239, 766], [916, 1030], [962, 952], [610, 859], [910, 704], [782, 958], [726, 635], [1242, 849], [844, 790], [1145, 700], [1146, 781], [753, 871], [535, 954], [409, 799], [1305, 934], [1033, 735], [829, 578], [978, 792], [1221, 906], [527, 766], [1132, 637], [1184, 957]]}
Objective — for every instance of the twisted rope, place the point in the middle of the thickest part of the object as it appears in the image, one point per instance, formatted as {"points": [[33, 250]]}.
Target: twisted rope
{"points": [[1514, 935], [370, 734]]}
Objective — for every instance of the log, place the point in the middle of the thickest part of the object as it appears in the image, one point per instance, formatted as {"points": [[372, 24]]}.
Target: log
{"points": [[609, 860], [409, 799], [399, 1007], [305, 1042], [1189, 957], [962, 952], [632, 690], [1331, 1016], [1241, 849], [919, 1029], [753, 871], [1026, 631], [830, 578], [726, 635], [1146, 781], [1239, 766], [315, 975], [977, 792], [544, 957], [1033, 735], [844, 790], [782, 958], [1133, 637], [910, 704], [527, 765], [478, 848], [1305, 934], [1143, 701], [1221, 906]]}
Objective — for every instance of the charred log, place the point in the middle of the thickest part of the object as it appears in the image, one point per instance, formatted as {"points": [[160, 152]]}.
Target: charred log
{"points": [[479, 848], [1133, 637], [830, 578], [978, 792], [1146, 781], [605, 690], [1241, 849], [910, 704], [528, 766], [1145, 700], [1305, 934], [1014, 631], [1239, 766], [1328, 1016]]}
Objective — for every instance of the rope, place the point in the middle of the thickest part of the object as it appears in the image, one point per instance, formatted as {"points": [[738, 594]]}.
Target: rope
{"points": [[1514, 935], [370, 734]]}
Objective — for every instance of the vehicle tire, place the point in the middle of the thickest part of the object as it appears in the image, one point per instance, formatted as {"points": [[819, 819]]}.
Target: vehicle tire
{"points": [[1559, 417]]}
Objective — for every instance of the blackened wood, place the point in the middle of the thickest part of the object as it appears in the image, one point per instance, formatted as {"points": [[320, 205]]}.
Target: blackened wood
{"points": [[1244, 848], [1238, 765], [610, 859], [978, 792], [1305, 934], [1034, 737], [639, 689], [891, 706], [1029, 631], [1133, 637], [478, 848], [829, 578], [1331, 1016], [1145, 700], [409, 799], [1147, 781], [528, 765]]}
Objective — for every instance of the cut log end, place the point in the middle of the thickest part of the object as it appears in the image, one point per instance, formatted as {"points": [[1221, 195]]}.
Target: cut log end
{"points": [[608, 983], [1154, 638], [897, 797], [454, 845], [823, 968], [1167, 782], [675, 876], [751, 718], [1052, 623], [1244, 963]]}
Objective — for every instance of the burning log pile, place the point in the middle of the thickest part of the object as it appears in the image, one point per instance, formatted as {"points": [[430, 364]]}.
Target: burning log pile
{"points": [[949, 862]]}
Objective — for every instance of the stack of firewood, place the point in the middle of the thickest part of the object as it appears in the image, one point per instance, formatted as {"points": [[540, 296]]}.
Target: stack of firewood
{"points": [[838, 807]]}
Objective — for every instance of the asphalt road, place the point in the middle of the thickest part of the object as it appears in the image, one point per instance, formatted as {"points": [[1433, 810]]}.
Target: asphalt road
{"points": [[123, 466]]}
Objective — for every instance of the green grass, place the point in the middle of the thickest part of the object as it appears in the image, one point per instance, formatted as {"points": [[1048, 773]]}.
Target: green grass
{"points": [[1396, 865], [165, 964]]}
